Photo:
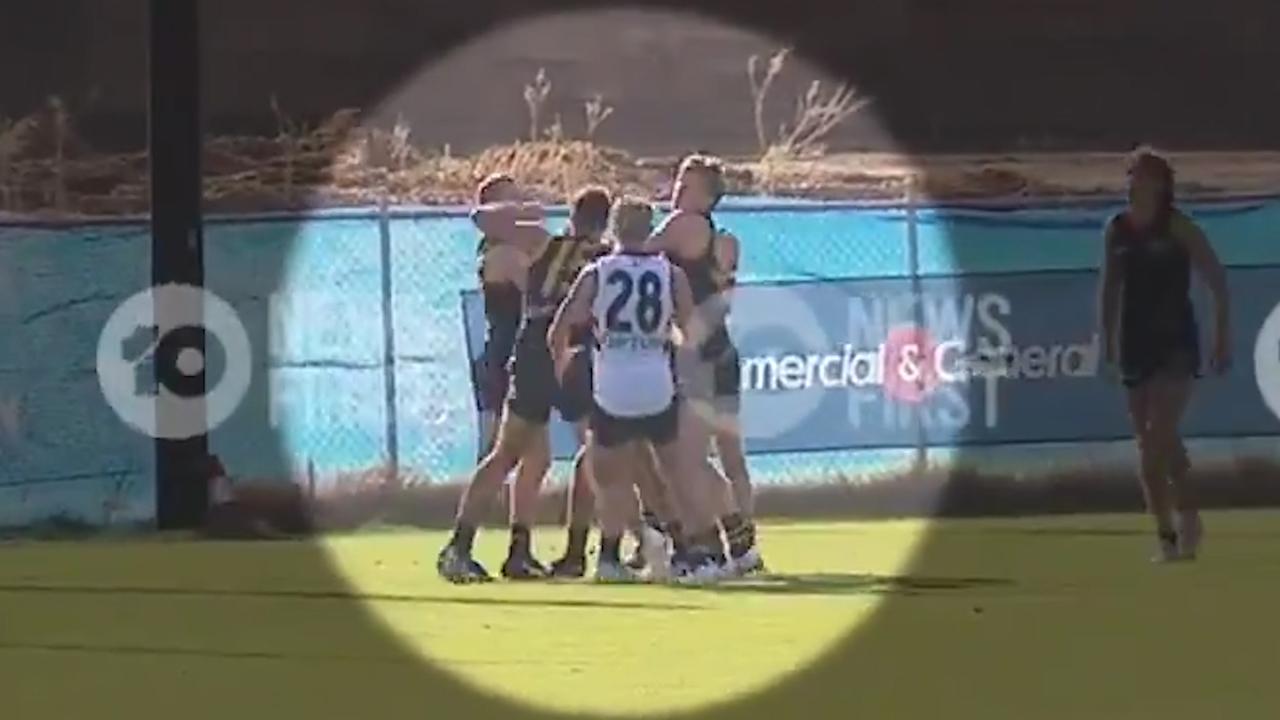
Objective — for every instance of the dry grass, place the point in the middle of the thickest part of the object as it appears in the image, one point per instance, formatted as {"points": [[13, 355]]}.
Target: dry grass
{"points": [[803, 138], [816, 113], [375, 499], [378, 498], [46, 167], [535, 98], [46, 170]]}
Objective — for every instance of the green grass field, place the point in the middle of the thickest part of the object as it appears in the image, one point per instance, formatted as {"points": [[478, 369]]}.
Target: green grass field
{"points": [[1034, 618]]}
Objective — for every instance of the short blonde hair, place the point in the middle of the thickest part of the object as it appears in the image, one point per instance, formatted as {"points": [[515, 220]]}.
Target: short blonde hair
{"points": [[485, 190], [631, 220], [709, 167]]}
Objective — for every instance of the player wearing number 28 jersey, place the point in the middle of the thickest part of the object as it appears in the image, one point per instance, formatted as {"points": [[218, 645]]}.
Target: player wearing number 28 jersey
{"points": [[632, 312], [633, 299]]}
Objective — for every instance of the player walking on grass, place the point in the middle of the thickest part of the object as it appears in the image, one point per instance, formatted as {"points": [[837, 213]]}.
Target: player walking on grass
{"points": [[1149, 329], [634, 298], [535, 388], [709, 370]]}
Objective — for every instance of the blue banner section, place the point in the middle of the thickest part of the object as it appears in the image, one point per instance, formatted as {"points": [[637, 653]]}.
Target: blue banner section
{"points": [[826, 311], [967, 360], [64, 454]]}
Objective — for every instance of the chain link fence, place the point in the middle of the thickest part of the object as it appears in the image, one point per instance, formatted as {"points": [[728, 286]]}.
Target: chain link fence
{"points": [[353, 401], [349, 401], [361, 368]]}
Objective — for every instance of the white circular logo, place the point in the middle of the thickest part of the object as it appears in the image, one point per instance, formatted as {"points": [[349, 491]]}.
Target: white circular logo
{"points": [[161, 325], [786, 330], [1266, 361]]}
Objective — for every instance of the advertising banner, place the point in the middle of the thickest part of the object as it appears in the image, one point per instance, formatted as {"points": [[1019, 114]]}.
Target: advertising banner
{"points": [[966, 360]]}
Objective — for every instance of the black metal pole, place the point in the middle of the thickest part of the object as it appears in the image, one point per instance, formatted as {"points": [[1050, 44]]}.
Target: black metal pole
{"points": [[177, 245]]}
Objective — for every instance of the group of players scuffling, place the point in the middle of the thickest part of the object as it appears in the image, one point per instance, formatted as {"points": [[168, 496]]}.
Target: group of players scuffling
{"points": [[621, 328]]}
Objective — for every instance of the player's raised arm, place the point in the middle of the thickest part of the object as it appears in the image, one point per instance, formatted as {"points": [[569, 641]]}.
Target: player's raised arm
{"points": [[575, 311], [699, 185], [1109, 295], [519, 224], [1209, 268]]}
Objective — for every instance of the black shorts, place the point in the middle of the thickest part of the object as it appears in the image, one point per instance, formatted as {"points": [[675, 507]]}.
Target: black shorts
{"points": [[502, 326], [1137, 368], [491, 372], [1146, 353], [717, 380], [535, 389], [490, 380], [611, 431]]}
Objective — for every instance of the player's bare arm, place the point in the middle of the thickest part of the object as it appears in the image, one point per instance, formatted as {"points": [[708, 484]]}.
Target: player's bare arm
{"points": [[1109, 296], [1209, 268], [725, 273], [686, 317], [681, 235], [727, 253], [574, 312], [514, 223], [692, 326]]}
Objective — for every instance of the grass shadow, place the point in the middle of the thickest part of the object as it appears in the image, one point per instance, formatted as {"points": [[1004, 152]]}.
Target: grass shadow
{"points": [[852, 584], [203, 653], [331, 595]]}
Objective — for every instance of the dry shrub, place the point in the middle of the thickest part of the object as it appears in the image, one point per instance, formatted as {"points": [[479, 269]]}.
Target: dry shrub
{"points": [[535, 98], [554, 168], [816, 112], [44, 162], [596, 112], [937, 491], [342, 163], [260, 511], [266, 509], [15, 137], [816, 115], [815, 179], [985, 182], [761, 80], [47, 167]]}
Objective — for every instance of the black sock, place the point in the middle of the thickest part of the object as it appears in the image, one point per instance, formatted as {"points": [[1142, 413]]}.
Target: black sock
{"points": [[710, 546], [1168, 536], [652, 520], [464, 534], [674, 531], [679, 543], [520, 542], [738, 534], [577, 546], [610, 549]]}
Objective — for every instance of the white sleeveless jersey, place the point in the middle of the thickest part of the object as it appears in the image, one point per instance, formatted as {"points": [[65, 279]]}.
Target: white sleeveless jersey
{"points": [[633, 311]]}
